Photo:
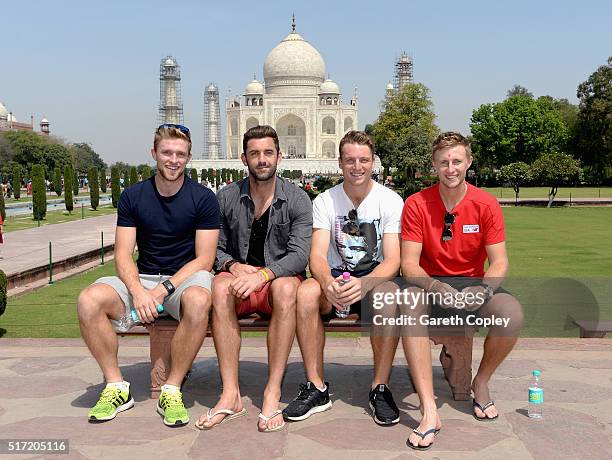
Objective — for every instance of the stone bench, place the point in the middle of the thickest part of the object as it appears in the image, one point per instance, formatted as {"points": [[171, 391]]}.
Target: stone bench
{"points": [[455, 356], [593, 329]]}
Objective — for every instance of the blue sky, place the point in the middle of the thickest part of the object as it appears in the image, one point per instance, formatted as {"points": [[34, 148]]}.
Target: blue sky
{"points": [[93, 68]]}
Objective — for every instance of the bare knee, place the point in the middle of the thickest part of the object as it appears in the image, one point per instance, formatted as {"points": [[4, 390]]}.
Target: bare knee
{"points": [[309, 297], [507, 307], [195, 304], [413, 302], [222, 301], [284, 294], [91, 302]]}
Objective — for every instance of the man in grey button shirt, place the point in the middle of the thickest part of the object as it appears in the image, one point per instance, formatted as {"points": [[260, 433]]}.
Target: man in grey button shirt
{"points": [[266, 226]]}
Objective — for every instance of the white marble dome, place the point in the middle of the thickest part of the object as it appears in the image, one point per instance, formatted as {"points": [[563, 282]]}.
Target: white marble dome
{"points": [[294, 61], [254, 87], [170, 63], [330, 87]]}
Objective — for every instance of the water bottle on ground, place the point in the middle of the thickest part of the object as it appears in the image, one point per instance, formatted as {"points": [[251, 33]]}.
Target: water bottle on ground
{"points": [[346, 309], [126, 322], [536, 396]]}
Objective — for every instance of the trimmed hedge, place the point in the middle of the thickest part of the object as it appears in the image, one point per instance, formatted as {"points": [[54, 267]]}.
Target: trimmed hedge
{"points": [[57, 181], [39, 192], [94, 187], [68, 201], [3, 292], [133, 175], [115, 186], [17, 181]]}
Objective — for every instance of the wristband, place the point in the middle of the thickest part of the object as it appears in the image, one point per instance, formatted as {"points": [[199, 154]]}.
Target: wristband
{"points": [[265, 274]]}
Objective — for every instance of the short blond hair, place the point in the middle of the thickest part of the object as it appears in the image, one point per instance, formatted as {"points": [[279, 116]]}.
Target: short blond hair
{"points": [[451, 139], [165, 132]]}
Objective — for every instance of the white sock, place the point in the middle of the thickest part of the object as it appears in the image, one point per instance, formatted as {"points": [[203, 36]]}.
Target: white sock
{"points": [[322, 389], [168, 387], [123, 385]]}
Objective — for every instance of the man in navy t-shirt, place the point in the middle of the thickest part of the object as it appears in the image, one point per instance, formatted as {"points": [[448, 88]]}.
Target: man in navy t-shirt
{"points": [[175, 223]]}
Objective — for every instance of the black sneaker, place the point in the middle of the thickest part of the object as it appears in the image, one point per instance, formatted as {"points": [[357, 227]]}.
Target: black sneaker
{"points": [[384, 409], [308, 401]]}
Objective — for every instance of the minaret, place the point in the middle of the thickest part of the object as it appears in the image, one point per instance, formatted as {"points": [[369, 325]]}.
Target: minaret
{"points": [[403, 72], [212, 130], [44, 126], [170, 100]]}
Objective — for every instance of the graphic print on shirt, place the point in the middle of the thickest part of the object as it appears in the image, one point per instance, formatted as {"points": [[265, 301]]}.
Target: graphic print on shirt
{"points": [[358, 242]]}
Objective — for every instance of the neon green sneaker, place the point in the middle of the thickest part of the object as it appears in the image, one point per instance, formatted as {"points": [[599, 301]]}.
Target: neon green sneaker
{"points": [[171, 406], [112, 401]]}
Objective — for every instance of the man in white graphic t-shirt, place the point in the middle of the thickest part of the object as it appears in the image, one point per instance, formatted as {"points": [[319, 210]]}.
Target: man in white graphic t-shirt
{"points": [[356, 227]]}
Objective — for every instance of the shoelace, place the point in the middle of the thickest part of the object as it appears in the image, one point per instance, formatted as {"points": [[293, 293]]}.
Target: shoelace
{"points": [[108, 394], [303, 394], [173, 398]]}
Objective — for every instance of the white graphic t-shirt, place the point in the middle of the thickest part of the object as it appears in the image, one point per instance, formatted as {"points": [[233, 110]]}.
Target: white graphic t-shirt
{"points": [[356, 233]]}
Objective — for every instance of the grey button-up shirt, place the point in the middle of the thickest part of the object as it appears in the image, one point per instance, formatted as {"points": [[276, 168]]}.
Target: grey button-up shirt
{"points": [[289, 233]]}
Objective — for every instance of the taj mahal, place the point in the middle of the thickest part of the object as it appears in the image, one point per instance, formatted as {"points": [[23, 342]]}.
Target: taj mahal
{"points": [[296, 98]]}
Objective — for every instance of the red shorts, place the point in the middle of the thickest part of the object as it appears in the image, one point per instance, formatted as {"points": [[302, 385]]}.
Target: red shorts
{"points": [[257, 302]]}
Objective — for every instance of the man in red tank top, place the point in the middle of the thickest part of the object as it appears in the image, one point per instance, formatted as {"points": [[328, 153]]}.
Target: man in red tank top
{"points": [[448, 232]]}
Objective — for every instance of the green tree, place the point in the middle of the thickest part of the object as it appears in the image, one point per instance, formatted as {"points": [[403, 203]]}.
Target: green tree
{"points": [[133, 175], [405, 130], [518, 90], [68, 201], [17, 181], [517, 174], [146, 172], [554, 170], [323, 183], [39, 192], [94, 187], [103, 180], [194, 174], [2, 206], [27, 148], [594, 125], [115, 187], [57, 181], [126, 179], [6, 157], [517, 129], [84, 157], [75, 182]]}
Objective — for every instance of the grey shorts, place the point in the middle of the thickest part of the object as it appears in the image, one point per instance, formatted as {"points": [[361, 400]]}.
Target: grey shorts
{"points": [[172, 303]]}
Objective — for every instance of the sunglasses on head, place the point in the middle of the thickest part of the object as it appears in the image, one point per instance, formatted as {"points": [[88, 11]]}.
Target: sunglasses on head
{"points": [[181, 128], [449, 220]]}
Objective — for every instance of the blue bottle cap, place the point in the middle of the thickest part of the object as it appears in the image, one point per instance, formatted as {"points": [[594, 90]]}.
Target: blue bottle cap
{"points": [[536, 372], [160, 308]]}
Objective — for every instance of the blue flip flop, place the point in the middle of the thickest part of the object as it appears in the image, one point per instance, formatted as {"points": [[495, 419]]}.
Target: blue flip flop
{"points": [[435, 431], [483, 408]]}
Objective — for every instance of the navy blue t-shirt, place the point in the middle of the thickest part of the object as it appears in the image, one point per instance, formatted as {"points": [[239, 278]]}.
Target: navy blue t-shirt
{"points": [[166, 225]]}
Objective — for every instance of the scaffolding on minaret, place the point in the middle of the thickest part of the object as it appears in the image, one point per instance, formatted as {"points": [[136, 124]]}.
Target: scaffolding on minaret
{"points": [[170, 99], [212, 128], [403, 71]]}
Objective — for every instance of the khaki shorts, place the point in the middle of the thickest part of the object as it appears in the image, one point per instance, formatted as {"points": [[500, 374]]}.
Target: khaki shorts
{"points": [[172, 303]]}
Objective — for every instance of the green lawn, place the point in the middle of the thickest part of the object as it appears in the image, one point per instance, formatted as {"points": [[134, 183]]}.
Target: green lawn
{"points": [[559, 259], [542, 192], [12, 224]]}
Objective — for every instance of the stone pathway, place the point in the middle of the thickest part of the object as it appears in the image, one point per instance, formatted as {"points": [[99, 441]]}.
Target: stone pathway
{"points": [[47, 386]]}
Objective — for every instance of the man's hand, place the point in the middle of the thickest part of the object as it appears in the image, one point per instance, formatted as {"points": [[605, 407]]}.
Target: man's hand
{"points": [[239, 269], [350, 292], [476, 296], [243, 285], [146, 301], [445, 291]]}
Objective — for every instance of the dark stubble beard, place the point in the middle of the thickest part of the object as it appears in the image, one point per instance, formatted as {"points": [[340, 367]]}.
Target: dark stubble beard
{"points": [[262, 176]]}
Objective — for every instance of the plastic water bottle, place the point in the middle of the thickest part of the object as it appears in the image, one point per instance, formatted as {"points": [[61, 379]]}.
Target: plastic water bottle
{"points": [[346, 309], [536, 396], [126, 322]]}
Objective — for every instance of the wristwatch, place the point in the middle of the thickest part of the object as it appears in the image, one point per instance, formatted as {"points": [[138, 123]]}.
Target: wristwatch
{"points": [[229, 264], [169, 286], [489, 291]]}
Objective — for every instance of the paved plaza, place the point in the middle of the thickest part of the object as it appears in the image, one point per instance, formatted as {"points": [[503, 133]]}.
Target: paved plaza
{"points": [[48, 385]]}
